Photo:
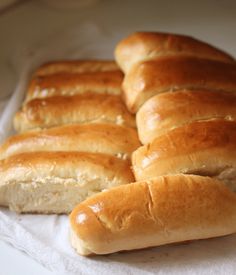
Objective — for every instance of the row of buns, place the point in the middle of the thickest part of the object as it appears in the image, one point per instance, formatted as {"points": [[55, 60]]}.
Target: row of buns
{"points": [[75, 138], [183, 93]]}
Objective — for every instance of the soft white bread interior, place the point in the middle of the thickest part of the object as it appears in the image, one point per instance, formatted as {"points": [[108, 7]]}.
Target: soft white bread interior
{"points": [[108, 82], [202, 148], [159, 211], [147, 45], [84, 108], [55, 182], [109, 139], [153, 77], [170, 110], [76, 66]]}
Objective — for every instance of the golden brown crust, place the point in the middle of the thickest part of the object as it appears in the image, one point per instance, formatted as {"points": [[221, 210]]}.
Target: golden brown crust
{"points": [[147, 45], [84, 108], [202, 148], [165, 74], [170, 110], [76, 66], [54, 182], [72, 84], [159, 211], [39, 165], [109, 139]]}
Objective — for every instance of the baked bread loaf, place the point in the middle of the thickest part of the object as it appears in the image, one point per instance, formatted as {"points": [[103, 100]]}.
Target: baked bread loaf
{"points": [[76, 66], [83, 108], [109, 139], [171, 73], [159, 211], [202, 148], [55, 182], [170, 110], [71, 84], [148, 45]]}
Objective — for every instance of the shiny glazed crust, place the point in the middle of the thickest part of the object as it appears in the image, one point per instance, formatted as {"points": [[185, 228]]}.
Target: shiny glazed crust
{"points": [[171, 73], [201, 148], [71, 84], [109, 139], [170, 110], [159, 211], [76, 66], [83, 108], [148, 45]]}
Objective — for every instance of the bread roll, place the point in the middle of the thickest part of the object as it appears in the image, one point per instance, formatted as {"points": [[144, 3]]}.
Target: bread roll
{"points": [[76, 66], [84, 108], [54, 182], [167, 111], [153, 77], [202, 148], [72, 84], [163, 210], [109, 139], [146, 45]]}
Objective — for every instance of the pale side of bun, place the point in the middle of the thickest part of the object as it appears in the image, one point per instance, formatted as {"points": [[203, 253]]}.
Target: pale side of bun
{"points": [[167, 111], [76, 66], [55, 182], [147, 45], [165, 74], [109, 139], [159, 211], [84, 108], [201, 148], [71, 84]]}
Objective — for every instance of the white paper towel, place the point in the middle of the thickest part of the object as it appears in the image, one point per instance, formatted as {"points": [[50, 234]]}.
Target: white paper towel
{"points": [[45, 237]]}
